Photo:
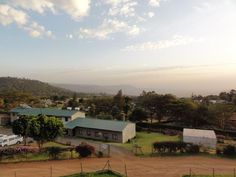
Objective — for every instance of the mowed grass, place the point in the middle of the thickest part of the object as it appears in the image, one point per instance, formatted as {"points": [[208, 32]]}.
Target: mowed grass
{"points": [[145, 141]]}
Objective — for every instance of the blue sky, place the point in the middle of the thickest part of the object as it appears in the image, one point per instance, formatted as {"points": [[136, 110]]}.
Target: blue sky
{"points": [[178, 46]]}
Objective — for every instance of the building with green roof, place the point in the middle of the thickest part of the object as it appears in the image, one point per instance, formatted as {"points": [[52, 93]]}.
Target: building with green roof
{"points": [[64, 115], [104, 130]]}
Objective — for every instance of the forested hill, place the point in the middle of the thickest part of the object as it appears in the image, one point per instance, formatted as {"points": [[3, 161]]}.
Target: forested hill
{"points": [[34, 87]]}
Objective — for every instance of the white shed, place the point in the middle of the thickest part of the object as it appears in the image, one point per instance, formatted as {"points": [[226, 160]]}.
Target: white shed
{"points": [[206, 138]]}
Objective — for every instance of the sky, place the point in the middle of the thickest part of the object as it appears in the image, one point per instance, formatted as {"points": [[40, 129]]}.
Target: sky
{"points": [[183, 47]]}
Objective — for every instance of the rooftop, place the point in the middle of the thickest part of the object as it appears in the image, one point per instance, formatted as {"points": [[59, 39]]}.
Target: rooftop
{"points": [[199, 133], [99, 124], [43, 111]]}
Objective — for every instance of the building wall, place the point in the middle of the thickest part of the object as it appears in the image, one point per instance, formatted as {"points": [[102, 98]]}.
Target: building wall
{"points": [[78, 114], [13, 117], [206, 142], [4, 119], [129, 132], [103, 135]]}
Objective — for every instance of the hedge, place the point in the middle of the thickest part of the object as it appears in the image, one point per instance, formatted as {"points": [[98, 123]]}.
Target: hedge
{"points": [[173, 147]]}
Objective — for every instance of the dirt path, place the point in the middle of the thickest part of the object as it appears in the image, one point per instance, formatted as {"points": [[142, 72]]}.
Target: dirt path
{"points": [[136, 167]]}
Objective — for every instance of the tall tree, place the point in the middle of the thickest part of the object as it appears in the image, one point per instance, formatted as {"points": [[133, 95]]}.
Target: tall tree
{"points": [[21, 127], [45, 129]]}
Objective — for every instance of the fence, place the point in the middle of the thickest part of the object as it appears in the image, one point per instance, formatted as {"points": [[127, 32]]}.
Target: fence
{"points": [[56, 171], [84, 166], [214, 172]]}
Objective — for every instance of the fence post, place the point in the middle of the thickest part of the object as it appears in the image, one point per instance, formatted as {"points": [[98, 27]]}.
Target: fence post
{"points": [[81, 168], [190, 172], [126, 174], [51, 171], [213, 172], [234, 173], [15, 173]]}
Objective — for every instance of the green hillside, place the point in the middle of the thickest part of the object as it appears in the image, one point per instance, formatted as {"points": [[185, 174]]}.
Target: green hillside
{"points": [[34, 87]]}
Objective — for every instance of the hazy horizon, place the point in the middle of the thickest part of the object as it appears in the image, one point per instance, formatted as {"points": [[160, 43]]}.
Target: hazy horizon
{"points": [[179, 47]]}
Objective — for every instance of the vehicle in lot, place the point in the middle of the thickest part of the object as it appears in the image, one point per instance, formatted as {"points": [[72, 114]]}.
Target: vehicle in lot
{"points": [[10, 140]]}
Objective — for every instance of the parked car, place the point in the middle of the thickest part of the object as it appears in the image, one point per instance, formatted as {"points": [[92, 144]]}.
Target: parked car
{"points": [[10, 140], [1, 135]]}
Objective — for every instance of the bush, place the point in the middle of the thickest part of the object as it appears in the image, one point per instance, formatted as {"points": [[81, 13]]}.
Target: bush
{"points": [[85, 150], [218, 151], [229, 150], [100, 154], [173, 147], [192, 148], [54, 151]]}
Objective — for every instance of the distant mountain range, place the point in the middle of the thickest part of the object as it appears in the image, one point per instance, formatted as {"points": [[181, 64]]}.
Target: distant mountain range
{"points": [[109, 89], [34, 87]]}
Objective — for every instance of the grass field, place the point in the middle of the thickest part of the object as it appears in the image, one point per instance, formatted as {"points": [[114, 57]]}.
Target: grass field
{"points": [[101, 174], [145, 141]]}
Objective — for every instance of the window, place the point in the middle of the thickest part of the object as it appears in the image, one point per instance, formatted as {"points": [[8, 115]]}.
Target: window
{"points": [[88, 132], [114, 136], [106, 136], [66, 119], [80, 131], [97, 134]]}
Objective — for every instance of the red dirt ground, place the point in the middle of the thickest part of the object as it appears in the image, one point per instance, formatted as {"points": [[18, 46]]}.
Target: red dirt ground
{"points": [[136, 167]]}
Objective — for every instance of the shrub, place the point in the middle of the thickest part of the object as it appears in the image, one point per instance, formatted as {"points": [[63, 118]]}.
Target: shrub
{"points": [[192, 148], [100, 154], [229, 150], [218, 151], [54, 151], [85, 150], [173, 147]]}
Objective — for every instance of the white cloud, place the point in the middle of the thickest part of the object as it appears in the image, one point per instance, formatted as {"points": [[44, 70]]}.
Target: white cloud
{"points": [[9, 15], [35, 30], [107, 28], [69, 36], [154, 3], [152, 46], [122, 7], [35, 5], [75, 8], [151, 14]]}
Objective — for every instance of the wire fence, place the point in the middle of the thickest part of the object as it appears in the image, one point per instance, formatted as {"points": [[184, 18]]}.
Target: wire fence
{"points": [[57, 171], [122, 170]]}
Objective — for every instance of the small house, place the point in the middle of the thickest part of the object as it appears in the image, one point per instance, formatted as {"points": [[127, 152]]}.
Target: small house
{"points": [[206, 138], [104, 130]]}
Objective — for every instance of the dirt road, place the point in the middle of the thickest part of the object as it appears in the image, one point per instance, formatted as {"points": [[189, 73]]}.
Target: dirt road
{"points": [[136, 167]]}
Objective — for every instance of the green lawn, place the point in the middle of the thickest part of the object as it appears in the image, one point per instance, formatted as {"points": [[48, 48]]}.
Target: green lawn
{"points": [[101, 174], [145, 141]]}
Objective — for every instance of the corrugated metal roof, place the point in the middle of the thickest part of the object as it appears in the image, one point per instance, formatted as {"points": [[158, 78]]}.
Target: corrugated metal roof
{"points": [[43, 111], [199, 133], [99, 124]]}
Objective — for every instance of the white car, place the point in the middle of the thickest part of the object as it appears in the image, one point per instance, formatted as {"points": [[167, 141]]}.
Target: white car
{"points": [[10, 140]]}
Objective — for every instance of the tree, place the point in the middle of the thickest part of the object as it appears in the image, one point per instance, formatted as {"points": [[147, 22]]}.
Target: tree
{"points": [[221, 113], [73, 103], [1, 103], [127, 106], [119, 100], [45, 129], [138, 115], [21, 127]]}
